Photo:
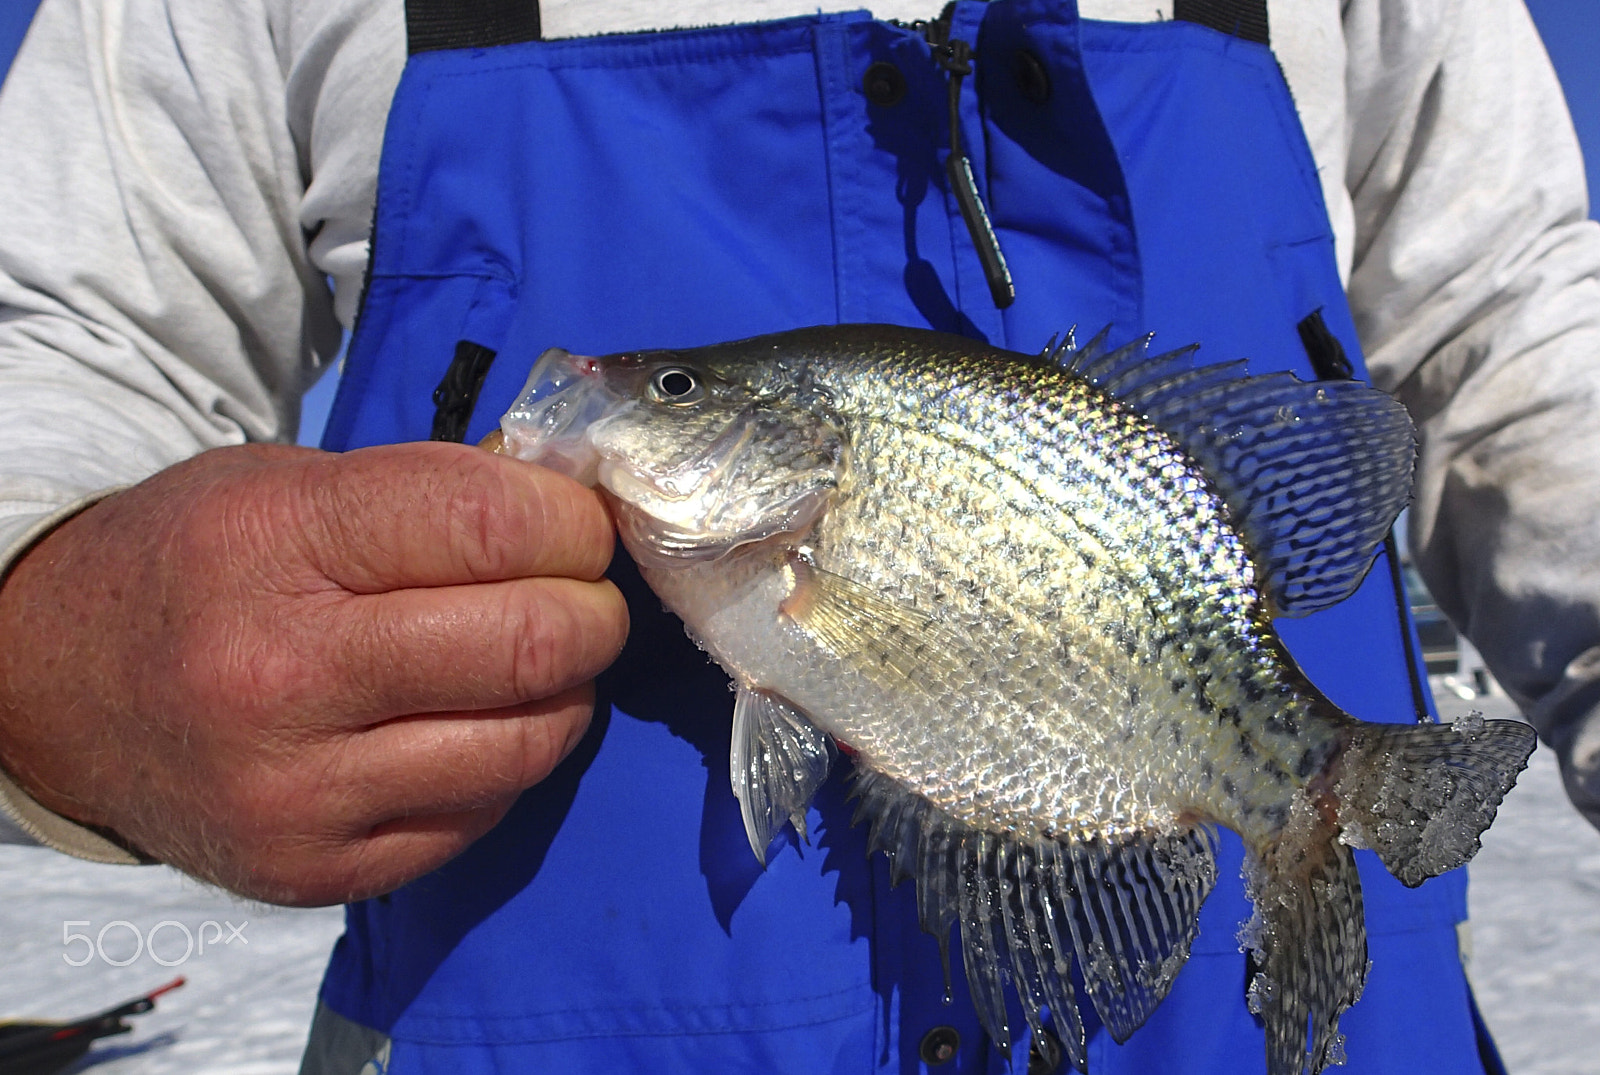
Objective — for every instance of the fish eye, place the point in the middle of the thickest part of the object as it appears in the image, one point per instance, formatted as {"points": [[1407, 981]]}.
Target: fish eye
{"points": [[677, 386]]}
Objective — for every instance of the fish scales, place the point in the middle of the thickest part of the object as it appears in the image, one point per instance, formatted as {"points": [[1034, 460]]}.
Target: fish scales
{"points": [[1091, 563], [1033, 597]]}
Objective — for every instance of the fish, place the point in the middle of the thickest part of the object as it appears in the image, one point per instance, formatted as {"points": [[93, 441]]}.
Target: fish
{"points": [[1031, 598]]}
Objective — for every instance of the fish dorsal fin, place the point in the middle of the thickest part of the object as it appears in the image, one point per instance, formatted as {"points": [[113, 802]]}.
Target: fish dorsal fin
{"points": [[1313, 472], [777, 762], [1126, 908]]}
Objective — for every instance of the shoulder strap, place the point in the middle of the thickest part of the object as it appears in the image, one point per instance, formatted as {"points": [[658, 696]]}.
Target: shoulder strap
{"points": [[453, 24], [432, 25], [1245, 19], [14, 20]]}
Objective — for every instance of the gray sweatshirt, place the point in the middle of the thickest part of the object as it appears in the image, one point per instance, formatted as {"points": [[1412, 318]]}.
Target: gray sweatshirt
{"points": [[181, 180]]}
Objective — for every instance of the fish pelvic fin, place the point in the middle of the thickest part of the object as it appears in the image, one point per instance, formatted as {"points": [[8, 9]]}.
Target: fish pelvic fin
{"points": [[1420, 795], [1124, 908], [777, 761], [1308, 937]]}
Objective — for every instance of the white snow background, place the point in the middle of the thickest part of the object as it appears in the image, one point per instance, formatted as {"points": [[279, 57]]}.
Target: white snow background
{"points": [[246, 1007]]}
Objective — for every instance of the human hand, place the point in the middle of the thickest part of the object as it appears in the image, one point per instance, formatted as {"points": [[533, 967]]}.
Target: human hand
{"points": [[308, 677]]}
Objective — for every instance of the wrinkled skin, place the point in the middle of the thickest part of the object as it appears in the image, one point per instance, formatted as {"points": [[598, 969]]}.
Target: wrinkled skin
{"points": [[308, 677]]}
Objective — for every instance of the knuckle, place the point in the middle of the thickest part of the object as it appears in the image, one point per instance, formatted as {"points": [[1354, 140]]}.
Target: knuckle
{"points": [[364, 671], [535, 510], [616, 620], [565, 632], [199, 531], [490, 539], [481, 513], [535, 753], [222, 665], [546, 647], [542, 740], [575, 517], [200, 674], [294, 835]]}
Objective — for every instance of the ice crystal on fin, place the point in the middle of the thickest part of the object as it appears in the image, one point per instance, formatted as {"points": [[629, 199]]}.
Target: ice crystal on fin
{"points": [[1420, 795], [1353, 835], [1262, 990], [1253, 935], [1335, 1056], [1125, 908]]}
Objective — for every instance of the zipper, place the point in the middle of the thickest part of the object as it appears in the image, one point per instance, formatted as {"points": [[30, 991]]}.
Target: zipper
{"points": [[954, 57]]}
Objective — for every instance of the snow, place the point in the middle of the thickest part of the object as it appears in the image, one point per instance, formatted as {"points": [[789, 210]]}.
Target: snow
{"points": [[1535, 904], [1535, 939], [250, 991]]}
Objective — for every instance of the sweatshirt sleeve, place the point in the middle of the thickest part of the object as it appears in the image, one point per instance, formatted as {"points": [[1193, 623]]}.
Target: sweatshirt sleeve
{"points": [[1476, 288], [179, 181]]}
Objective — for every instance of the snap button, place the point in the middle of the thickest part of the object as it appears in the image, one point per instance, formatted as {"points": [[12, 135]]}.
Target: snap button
{"points": [[1033, 78], [884, 85], [939, 1046], [1044, 1055]]}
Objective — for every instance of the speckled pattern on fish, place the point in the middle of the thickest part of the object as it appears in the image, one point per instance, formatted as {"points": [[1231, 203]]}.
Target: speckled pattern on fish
{"points": [[1032, 596]]}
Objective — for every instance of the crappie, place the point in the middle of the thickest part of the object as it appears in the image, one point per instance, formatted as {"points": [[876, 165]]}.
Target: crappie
{"points": [[1032, 597]]}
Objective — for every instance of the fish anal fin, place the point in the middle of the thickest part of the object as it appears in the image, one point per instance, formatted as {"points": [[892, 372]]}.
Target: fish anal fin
{"points": [[1137, 903], [1124, 908], [777, 762]]}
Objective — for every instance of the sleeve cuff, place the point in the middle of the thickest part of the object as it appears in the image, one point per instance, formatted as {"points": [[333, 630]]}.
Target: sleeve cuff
{"points": [[31, 823]]}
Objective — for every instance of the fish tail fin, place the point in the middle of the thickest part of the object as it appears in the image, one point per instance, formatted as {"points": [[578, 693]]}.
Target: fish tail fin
{"points": [[1309, 939], [1420, 795]]}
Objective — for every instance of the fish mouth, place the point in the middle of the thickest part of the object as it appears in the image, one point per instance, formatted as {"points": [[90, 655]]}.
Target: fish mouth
{"points": [[549, 423], [699, 508]]}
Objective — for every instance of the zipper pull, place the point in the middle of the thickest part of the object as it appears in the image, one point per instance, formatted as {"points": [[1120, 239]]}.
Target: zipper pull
{"points": [[954, 56]]}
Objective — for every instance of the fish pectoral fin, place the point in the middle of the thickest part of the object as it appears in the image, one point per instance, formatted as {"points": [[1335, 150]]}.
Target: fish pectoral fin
{"points": [[1126, 907], [855, 621], [777, 762]]}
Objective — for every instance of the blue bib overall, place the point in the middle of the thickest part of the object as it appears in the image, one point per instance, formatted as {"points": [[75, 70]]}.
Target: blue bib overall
{"points": [[680, 188]]}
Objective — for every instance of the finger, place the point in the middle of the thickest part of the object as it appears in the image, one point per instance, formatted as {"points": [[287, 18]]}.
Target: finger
{"points": [[468, 647], [313, 874], [437, 514], [392, 802], [409, 847], [399, 799], [445, 763]]}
